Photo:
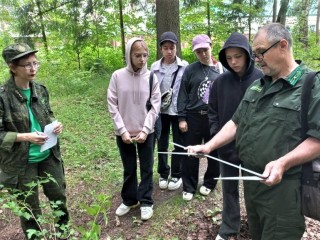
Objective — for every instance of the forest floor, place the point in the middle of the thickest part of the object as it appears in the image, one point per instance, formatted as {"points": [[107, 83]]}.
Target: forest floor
{"points": [[194, 221]]}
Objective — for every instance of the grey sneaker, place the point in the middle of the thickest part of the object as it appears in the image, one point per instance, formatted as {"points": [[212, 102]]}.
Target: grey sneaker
{"points": [[146, 212], [174, 183], [163, 183]]}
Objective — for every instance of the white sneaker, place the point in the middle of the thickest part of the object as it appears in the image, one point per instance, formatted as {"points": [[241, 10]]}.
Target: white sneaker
{"points": [[163, 183], [124, 209], [204, 191], [187, 196], [219, 237], [174, 183], [146, 212]]}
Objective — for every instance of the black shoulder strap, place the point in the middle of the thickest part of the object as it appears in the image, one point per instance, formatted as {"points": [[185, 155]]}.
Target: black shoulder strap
{"points": [[305, 101], [307, 172], [175, 76], [150, 83]]}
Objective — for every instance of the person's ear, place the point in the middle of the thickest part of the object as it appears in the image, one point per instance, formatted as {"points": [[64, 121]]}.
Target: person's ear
{"points": [[12, 67], [284, 44]]}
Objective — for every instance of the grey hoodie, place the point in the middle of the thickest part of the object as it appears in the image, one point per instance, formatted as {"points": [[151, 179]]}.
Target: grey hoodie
{"points": [[127, 95]]}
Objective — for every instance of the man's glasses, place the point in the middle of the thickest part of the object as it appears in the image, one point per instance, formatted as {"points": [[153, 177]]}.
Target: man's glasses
{"points": [[30, 65], [261, 55]]}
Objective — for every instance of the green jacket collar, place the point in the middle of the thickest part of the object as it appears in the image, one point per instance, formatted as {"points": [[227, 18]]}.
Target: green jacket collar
{"points": [[17, 92], [293, 78]]}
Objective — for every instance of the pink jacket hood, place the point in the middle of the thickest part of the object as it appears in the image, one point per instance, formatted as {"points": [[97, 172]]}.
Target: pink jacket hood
{"points": [[127, 95]]}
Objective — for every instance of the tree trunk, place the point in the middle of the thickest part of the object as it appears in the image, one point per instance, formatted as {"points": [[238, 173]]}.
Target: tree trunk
{"points": [[43, 30], [317, 23], [304, 8], [208, 18], [167, 19], [282, 15], [122, 33], [249, 21], [274, 13]]}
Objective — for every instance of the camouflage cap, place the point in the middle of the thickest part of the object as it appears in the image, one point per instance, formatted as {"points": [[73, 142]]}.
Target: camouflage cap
{"points": [[16, 51]]}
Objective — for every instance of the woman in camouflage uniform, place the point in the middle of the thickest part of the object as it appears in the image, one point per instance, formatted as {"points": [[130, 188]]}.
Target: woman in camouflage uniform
{"points": [[24, 112]]}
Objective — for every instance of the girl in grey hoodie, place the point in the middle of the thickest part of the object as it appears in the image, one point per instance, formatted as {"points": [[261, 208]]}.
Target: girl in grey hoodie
{"points": [[127, 95]]}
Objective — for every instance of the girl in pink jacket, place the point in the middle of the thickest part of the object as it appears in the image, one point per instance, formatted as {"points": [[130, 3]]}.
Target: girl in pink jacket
{"points": [[128, 93]]}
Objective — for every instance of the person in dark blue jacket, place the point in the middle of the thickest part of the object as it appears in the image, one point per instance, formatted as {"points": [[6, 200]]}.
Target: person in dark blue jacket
{"points": [[225, 96]]}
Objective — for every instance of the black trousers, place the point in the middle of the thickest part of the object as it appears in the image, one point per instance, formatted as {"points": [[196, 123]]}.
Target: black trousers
{"points": [[198, 132], [132, 192], [169, 121], [231, 207]]}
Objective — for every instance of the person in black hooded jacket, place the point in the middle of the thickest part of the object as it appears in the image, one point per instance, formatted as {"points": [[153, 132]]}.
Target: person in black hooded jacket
{"points": [[225, 96]]}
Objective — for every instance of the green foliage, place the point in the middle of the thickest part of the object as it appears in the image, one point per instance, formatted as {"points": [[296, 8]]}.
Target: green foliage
{"points": [[88, 143], [46, 222], [49, 229], [310, 54], [225, 18], [96, 209], [78, 96]]}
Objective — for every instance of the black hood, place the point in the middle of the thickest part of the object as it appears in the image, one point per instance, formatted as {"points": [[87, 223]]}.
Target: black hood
{"points": [[240, 41]]}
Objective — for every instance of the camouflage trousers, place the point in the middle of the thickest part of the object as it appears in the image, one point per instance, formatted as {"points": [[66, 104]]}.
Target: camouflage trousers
{"points": [[54, 191]]}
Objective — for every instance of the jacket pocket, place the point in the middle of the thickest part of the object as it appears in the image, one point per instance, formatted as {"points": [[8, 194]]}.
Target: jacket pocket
{"points": [[287, 109]]}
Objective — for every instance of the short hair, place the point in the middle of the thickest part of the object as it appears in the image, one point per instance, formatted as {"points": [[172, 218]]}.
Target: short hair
{"points": [[275, 32]]}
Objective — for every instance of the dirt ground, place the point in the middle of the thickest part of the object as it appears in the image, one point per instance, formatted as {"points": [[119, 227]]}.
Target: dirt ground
{"points": [[195, 225]]}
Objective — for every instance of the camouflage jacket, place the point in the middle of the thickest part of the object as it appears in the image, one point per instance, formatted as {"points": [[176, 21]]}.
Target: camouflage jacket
{"points": [[14, 119]]}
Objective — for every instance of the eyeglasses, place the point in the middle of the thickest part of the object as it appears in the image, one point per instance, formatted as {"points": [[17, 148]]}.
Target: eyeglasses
{"points": [[261, 55], [30, 65]]}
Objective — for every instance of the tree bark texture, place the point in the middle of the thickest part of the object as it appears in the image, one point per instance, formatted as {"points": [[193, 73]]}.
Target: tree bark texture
{"points": [[167, 19], [317, 23], [304, 7], [282, 15]]}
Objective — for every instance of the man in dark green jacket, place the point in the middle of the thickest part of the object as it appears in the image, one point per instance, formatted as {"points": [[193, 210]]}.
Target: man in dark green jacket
{"points": [[24, 112], [267, 130]]}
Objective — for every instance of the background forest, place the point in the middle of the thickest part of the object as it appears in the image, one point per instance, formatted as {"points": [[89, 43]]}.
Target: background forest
{"points": [[81, 42], [90, 34]]}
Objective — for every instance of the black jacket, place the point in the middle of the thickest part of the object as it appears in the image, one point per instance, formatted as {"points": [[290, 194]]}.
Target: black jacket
{"points": [[228, 89], [195, 87]]}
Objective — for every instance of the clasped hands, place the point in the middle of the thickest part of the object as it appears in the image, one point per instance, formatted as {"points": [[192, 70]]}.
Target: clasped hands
{"points": [[140, 138]]}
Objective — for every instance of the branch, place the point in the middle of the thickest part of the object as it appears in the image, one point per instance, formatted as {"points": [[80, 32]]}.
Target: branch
{"points": [[53, 8]]}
